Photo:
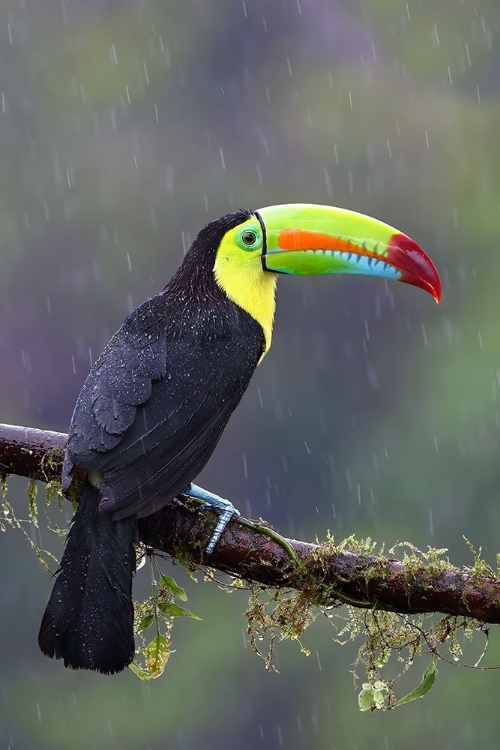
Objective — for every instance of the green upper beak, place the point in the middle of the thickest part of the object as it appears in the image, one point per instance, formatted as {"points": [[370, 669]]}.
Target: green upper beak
{"points": [[302, 238]]}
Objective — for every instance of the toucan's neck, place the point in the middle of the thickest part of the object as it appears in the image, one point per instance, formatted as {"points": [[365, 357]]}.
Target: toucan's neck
{"points": [[209, 275], [250, 288], [195, 277]]}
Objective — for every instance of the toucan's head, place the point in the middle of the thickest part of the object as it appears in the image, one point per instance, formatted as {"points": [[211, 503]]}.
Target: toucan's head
{"points": [[307, 239]]}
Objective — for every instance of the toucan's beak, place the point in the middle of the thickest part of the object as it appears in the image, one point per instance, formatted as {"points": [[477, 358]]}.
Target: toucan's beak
{"points": [[305, 239]]}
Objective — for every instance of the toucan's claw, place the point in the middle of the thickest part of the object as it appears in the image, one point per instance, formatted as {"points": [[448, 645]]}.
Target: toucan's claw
{"points": [[227, 511], [224, 508]]}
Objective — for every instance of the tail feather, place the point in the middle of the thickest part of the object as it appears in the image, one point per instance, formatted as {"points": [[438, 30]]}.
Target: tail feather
{"points": [[89, 620]]}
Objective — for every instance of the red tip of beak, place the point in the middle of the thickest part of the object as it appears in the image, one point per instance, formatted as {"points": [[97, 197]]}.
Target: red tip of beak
{"points": [[416, 267]]}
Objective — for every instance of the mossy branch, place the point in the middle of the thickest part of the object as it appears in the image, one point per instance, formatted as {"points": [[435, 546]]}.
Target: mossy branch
{"points": [[327, 573]]}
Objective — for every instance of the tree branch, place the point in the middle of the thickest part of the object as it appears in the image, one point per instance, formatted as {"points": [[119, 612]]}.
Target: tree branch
{"points": [[326, 572]]}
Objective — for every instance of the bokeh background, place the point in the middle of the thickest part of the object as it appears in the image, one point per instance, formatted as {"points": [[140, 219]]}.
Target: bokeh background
{"points": [[124, 127]]}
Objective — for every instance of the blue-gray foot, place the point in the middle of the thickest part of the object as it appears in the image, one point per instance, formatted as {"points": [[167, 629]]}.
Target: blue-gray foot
{"points": [[224, 508], [226, 511]]}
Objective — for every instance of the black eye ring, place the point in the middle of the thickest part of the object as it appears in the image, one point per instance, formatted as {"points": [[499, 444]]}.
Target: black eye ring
{"points": [[249, 237]]}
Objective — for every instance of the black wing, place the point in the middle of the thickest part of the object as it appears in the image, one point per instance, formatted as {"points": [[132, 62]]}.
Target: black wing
{"points": [[118, 383], [154, 407]]}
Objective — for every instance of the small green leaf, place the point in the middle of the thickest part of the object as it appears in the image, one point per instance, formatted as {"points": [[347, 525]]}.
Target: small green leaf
{"points": [[373, 696], [156, 654], [365, 698], [428, 681], [173, 610], [145, 623], [166, 582]]}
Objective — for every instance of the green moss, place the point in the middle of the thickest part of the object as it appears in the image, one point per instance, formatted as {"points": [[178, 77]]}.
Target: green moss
{"points": [[24, 525], [480, 568], [390, 643]]}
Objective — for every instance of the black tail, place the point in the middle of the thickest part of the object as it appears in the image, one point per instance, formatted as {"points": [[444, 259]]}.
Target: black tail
{"points": [[89, 620]]}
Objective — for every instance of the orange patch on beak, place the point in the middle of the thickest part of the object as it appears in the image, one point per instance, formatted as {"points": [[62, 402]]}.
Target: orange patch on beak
{"points": [[303, 239]]}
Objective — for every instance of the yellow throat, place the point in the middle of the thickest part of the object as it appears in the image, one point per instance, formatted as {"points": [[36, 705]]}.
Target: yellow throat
{"points": [[241, 276]]}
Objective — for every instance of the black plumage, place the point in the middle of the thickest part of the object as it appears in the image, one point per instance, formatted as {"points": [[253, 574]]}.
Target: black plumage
{"points": [[148, 418]]}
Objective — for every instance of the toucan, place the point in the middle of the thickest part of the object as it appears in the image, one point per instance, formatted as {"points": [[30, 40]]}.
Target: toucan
{"points": [[157, 400]]}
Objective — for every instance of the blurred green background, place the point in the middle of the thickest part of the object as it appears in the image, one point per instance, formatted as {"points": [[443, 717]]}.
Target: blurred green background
{"points": [[124, 127]]}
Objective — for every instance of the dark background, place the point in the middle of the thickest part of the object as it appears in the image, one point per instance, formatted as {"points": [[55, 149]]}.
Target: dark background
{"points": [[124, 127]]}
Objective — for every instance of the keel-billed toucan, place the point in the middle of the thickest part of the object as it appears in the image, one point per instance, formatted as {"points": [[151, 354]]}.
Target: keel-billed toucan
{"points": [[155, 403]]}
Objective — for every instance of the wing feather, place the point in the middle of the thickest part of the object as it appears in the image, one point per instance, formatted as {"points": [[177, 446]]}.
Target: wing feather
{"points": [[120, 381], [155, 404]]}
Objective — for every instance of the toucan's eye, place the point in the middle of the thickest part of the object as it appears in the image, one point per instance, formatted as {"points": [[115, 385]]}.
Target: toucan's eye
{"points": [[248, 237]]}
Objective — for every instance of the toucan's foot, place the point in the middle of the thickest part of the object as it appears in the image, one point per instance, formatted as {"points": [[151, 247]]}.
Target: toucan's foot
{"points": [[226, 511], [224, 508]]}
